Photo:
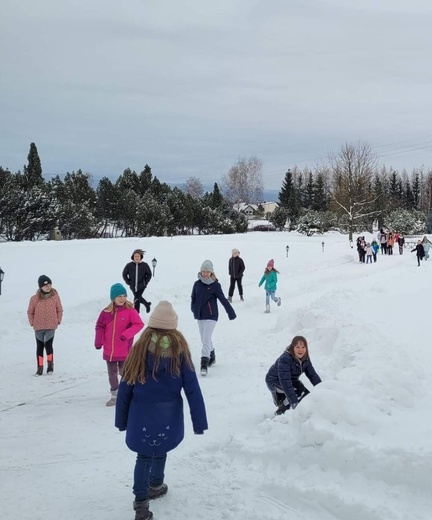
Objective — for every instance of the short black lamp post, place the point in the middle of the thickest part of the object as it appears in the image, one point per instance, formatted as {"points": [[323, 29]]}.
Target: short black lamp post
{"points": [[322, 245], [287, 250], [154, 264], [1, 278]]}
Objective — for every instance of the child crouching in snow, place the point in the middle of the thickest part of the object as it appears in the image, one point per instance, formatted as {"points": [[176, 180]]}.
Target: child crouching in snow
{"points": [[282, 378], [150, 405]]}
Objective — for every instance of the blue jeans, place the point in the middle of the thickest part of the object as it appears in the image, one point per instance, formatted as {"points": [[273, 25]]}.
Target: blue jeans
{"points": [[272, 295], [149, 471]]}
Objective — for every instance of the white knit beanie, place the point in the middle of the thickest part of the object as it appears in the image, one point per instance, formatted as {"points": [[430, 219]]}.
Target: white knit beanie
{"points": [[163, 317], [207, 265]]}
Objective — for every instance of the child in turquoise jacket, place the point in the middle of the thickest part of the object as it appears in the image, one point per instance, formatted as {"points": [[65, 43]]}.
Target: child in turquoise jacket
{"points": [[270, 279]]}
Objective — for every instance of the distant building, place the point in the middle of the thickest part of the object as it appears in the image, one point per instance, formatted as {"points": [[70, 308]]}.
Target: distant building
{"points": [[255, 211]]}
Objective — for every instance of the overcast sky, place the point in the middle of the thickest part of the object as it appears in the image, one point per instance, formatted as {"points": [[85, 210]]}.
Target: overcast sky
{"points": [[190, 86]]}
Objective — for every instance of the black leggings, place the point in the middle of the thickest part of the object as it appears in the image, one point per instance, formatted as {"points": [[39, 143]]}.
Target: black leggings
{"points": [[232, 286], [138, 298], [40, 347], [279, 396]]}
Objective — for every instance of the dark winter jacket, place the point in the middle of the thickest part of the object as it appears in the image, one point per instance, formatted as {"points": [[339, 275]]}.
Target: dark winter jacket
{"points": [[287, 369], [236, 267], [420, 251], [204, 301], [137, 276], [152, 413]]}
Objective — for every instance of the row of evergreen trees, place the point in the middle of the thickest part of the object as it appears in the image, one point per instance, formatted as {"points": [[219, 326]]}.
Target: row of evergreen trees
{"points": [[348, 194], [134, 205]]}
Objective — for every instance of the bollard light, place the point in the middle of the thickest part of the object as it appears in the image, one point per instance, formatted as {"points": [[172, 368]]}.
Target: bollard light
{"points": [[1, 277], [154, 264], [287, 250]]}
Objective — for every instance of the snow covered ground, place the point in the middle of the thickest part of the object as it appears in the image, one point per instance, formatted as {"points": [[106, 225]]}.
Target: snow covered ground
{"points": [[358, 448]]}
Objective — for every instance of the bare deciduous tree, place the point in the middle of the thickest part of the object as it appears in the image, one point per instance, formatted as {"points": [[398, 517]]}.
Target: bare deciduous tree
{"points": [[352, 172], [244, 181], [194, 187]]}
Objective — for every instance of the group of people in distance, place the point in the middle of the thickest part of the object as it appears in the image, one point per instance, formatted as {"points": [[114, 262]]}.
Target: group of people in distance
{"points": [[386, 242], [158, 366]]}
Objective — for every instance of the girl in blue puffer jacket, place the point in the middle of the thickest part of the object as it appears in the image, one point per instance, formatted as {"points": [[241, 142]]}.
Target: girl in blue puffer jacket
{"points": [[283, 376], [150, 405]]}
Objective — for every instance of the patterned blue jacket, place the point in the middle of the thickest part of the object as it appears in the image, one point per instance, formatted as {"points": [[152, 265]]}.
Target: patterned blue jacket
{"points": [[152, 413]]}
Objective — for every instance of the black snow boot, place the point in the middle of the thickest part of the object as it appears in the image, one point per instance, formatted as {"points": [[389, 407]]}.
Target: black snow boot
{"points": [[282, 409], [39, 370], [142, 511], [204, 366], [212, 359], [50, 368]]}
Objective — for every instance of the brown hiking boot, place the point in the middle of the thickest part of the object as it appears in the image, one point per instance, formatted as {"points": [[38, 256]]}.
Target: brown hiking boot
{"points": [[158, 491]]}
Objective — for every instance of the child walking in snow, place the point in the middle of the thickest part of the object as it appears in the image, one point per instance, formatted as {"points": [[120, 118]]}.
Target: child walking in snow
{"points": [[45, 314], [150, 406], [206, 291], [426, 243], [369, 252], [419, 249], [236, 268], [270, 286], [115, 329], [283, 376], [137, 276]]}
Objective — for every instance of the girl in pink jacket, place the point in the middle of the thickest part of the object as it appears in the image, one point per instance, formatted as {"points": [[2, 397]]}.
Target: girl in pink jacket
{"points": [[115, 329], [45, 313]]}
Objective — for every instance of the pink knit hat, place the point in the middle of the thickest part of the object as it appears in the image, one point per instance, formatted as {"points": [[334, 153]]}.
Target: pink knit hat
{"points": [[270, 263]]}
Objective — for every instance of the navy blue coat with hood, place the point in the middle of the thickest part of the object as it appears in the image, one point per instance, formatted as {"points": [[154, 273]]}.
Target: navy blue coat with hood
{"points": [[152, 413], [204, 301]]}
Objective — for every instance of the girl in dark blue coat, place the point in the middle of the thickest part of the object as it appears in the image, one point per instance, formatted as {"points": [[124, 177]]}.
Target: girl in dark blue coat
{"points": [[150, 406], [206, 291], [283, 376]]}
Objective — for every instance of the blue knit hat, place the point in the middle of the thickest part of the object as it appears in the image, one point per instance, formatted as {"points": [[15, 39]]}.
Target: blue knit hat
{"points": [[117, 290]]}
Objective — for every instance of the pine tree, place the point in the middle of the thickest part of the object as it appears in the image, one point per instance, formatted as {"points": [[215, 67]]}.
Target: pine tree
{"points": [[416, 190], [107, 206], [320, 199], [145, 179], [129, 180], [33, 170], [409, 196], [289, 197], [309, 192], [76, 205]]}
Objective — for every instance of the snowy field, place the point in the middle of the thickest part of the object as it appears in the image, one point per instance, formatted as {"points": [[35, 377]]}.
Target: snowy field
{"points": [[357, 448]]}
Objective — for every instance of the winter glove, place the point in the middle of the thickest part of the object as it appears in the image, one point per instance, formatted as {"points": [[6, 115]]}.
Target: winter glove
{"points": [[98, 347], [199, 433]]}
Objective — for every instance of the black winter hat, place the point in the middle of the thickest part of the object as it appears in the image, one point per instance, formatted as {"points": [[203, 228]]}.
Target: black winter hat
{"points": [[43, 280], [139, 251]]}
